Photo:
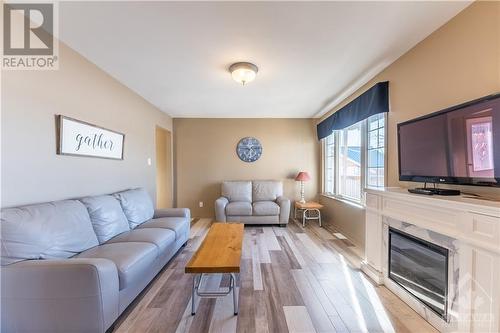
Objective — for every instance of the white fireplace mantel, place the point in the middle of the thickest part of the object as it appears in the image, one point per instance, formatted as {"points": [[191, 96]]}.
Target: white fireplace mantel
{"points": [[473, 223]]}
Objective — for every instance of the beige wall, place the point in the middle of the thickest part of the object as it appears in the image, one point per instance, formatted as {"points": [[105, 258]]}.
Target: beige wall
{"points": [[458, 62], [31, 170], [346, 218], [205, 155]]}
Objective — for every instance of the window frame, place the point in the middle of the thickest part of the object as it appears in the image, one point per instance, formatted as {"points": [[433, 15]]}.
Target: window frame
{"points": [[367, 149], [340, 190], [334, 166], [363, 163]]}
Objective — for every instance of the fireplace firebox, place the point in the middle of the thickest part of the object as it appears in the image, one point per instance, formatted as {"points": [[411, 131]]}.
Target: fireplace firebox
{"points": [[421, 268]]}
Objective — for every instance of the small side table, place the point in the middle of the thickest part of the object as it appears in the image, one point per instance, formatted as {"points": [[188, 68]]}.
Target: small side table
{"points": [[308, 208]]}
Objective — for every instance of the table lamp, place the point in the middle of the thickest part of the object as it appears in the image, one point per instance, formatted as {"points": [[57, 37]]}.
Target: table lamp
{"points": [[302, 177]]}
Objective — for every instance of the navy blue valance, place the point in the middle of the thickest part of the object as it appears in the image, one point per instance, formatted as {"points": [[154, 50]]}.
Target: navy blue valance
{"points": [[373, 101]]}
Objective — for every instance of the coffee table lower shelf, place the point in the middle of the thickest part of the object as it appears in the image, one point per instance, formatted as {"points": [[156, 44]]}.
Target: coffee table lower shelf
{"points": [[197, 291]]}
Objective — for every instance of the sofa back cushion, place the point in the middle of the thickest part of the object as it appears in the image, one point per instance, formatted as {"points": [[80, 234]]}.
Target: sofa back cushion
{"points": [[136, 205], [266, 190], [51, 230], [106, 215], [237, 190]]}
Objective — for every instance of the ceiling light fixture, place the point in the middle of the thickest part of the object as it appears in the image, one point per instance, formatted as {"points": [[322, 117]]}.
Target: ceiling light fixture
{"points": [[243, 72]]}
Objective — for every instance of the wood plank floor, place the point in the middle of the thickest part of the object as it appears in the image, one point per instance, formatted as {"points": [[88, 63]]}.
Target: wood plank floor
{"points": [[293, 279]]}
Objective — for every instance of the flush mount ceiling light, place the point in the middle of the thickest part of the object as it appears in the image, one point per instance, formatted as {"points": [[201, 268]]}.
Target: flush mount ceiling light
{"points": [[243, 72]]}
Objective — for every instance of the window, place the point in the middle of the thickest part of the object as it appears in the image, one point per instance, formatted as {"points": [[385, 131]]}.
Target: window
{"points": [[354, 158], [329, 164], [375, 151], [349, 171]]}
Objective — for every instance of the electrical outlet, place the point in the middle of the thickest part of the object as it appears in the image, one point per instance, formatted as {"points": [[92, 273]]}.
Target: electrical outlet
{"points": [[149, 161], [200, 204]]}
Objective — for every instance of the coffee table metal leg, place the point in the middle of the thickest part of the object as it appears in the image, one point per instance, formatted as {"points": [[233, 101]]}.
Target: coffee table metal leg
{"points": [[235, 296], [196, 278]]}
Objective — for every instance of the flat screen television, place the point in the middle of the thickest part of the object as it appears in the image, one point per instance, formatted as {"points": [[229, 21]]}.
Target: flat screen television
{"points": [[459, 145]]}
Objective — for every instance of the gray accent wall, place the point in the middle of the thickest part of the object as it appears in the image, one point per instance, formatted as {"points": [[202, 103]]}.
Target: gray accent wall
{"points": [[32, 172]]}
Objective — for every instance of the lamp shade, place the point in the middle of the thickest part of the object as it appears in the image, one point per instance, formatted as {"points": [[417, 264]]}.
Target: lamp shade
{"points": [[303, 176]]}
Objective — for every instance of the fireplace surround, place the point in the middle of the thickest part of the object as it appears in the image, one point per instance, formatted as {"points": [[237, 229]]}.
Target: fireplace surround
{"points": [[447, 319], [468, 230]]}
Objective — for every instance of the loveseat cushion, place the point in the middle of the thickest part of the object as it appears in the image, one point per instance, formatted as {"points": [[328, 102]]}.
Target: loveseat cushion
{"points": [[133, 260], [106, 215], [239, 208], [51, 230], [266, 190], [179, 225], [237, 190], [162, 238], [265, 208], [136, 205]]}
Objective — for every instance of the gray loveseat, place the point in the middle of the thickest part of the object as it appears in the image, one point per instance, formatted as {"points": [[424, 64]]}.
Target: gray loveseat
{"points": [[101, 252], [253, 202]]}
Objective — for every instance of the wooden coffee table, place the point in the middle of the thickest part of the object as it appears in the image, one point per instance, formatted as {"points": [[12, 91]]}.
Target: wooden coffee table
{"points": [[220, 252]]}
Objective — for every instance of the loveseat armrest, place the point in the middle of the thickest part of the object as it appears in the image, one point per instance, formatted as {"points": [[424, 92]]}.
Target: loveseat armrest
{"points": [[284, 204], [172, 212], [220, 209], [68, 295]]}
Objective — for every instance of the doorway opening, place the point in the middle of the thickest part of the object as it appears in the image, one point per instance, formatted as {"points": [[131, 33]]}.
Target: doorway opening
{"points": [[164, 172]]}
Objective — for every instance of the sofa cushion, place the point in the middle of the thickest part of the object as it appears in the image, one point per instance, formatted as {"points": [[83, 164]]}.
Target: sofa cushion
{"points": [[162, 238], [239, 208], [133, 260], [237, 190], [179, 225], [254, 219], [106, 215], [52, 230], [266, 190], [136, 205], [263, 208]]}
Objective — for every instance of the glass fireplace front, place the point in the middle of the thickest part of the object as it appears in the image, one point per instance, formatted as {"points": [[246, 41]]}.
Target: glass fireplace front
{"points": [[421, 268]]}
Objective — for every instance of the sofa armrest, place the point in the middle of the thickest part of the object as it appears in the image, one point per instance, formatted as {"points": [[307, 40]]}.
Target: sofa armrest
{"points": [[172, 212], [284, 204], [220, 209], [68, 295]]}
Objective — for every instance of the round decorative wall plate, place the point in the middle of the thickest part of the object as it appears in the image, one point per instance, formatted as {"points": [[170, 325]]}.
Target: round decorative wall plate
{"points": [[249, 149]]}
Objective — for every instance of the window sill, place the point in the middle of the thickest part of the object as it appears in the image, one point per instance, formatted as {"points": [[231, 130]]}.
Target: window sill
{"points": [[353, 203]]}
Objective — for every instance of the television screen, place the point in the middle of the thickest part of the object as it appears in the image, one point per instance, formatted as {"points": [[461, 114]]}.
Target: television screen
{"points": [[459, 145]]}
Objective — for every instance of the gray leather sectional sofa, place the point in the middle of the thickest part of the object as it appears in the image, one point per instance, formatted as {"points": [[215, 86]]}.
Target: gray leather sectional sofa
{"points": [[253, 202], [75, 265]]}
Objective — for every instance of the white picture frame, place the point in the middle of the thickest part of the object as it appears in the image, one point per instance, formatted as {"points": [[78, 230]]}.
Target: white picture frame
{"points": [[79, 138]]}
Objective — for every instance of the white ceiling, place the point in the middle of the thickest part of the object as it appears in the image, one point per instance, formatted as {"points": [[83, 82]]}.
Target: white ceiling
{"points": [[310, 55]]}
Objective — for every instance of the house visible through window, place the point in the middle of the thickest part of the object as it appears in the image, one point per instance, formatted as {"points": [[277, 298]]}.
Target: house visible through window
{"points": [[354, 158]]}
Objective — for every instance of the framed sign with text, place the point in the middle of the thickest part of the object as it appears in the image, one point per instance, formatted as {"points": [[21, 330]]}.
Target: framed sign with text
{"points": [[78, 138]]}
